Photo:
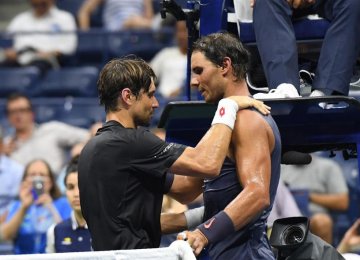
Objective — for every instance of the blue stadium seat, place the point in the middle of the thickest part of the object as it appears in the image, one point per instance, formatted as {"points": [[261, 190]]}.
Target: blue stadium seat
{"points": [[18, 80], [143, 43], [5, 40], [71, 6], [82, 112], [76, 81], [92, 48]]}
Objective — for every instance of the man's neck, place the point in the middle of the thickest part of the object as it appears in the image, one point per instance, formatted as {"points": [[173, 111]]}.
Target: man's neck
{"points": [[123, 117], [237, 89], [79, 218], [25, 134]]}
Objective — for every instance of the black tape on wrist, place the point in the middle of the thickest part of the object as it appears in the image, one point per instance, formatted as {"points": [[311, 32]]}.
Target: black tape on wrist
{"points": [[217, 228]]}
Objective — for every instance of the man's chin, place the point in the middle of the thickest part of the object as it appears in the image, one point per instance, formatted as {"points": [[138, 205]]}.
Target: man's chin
{"points": [[143, 123]]}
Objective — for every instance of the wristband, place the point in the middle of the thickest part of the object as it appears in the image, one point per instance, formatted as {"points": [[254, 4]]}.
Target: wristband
{"points": [[217, 228], [226, 113], [194, 217]]}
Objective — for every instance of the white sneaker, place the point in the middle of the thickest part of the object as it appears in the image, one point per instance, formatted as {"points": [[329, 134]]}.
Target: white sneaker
{"points": [[284, 90], [317, 93], [355, 82]]}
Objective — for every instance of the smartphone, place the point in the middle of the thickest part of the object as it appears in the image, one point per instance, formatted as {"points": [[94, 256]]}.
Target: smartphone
{"points": [[38, 186]]}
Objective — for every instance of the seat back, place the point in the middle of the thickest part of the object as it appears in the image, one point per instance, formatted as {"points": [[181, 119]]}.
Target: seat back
{"points": [[18, 80], [143, 43], [92, 48], [76, 81], [78, 111]]}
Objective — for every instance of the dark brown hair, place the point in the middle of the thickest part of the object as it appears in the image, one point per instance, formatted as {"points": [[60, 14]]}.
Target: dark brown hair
{"points": [[217, 46], [129, 72], [15, 96]]}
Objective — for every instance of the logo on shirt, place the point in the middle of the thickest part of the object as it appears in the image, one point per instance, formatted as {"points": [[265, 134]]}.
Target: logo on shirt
{"points": [[166, 149], [208, 225], [222, 111], [66, 241]]}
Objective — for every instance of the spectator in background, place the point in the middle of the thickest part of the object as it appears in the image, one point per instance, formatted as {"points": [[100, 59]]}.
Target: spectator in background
{"points": [[351, 240], [49, 141], [75, 151], [10, 178], [284, 205], [276, 42], [11, 173], [327, 191], [72, 234], [170, 63], [42, 36], [40, 206], [118, 14]]}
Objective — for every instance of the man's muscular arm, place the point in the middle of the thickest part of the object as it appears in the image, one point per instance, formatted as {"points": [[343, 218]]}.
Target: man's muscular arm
{"points": [[252, 143], [185, 189]]}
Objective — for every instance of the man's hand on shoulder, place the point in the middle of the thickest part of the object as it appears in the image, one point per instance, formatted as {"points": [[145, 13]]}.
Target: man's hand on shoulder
{"points": [[245, 102]]}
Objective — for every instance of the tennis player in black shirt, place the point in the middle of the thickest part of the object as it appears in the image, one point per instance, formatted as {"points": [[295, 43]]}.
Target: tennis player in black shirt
{"points": [[123, 169]]}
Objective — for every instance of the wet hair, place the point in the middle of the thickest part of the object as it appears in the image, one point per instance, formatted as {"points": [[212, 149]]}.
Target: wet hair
{"points": [[15, 96], [217, 46], [54, 191], [128, 72], [72, 167]]}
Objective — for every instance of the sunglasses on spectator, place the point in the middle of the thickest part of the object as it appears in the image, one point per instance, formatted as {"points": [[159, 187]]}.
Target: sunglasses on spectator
{"points": [[18, 111]]}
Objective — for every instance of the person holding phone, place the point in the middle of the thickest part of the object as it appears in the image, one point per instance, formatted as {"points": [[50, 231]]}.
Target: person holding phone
{"points": [[40, 206], [72, 234]]}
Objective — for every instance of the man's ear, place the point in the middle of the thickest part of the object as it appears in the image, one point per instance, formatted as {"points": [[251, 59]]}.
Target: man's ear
{"points": [[226, 65], [127, 96]]}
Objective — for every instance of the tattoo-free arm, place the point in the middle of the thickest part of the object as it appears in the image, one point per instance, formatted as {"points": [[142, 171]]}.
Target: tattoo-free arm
{"points": [[172, 222], [252, 143], [185, 189]]}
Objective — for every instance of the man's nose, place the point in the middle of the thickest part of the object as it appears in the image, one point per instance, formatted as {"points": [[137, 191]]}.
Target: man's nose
{"points": [[194, 82], [155, 103]]}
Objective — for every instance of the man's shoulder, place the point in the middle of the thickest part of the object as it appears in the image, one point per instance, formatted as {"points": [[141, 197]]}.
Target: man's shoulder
{"points": [[170, 51], [58, 125], [326, 166], [22, 16], [19, 19], [250, 118], [50, 124]]}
